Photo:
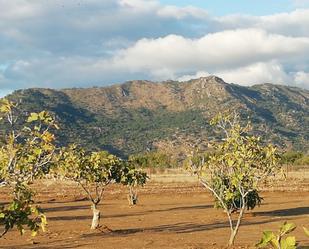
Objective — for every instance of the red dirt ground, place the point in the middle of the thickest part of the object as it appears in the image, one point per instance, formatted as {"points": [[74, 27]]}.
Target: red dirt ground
{"points": [[174, 215]]}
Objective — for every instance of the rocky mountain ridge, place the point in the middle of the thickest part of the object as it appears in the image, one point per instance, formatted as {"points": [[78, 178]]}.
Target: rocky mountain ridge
{"points": [[141, 115]]}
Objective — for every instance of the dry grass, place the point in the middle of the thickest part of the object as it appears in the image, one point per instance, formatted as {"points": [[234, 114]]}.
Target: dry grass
{"points": [[295, 180]]}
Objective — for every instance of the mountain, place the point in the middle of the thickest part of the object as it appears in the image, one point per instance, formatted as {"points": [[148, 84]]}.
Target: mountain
{"points": [[141, 115]]}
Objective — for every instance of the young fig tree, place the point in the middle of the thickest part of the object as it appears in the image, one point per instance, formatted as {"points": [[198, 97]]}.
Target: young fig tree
{"points": [[93, 172], [233, 171], [281, 240], [132, 177], [26, 153]]}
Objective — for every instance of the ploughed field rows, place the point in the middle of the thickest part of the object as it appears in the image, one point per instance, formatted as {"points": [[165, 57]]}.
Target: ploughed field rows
{"points": [[169, 215]]}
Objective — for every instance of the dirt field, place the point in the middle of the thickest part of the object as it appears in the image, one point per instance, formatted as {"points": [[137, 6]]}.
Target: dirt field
{"points": [[169, 215]]}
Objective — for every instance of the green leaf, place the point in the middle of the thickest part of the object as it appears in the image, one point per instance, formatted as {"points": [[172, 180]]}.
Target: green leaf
{"points": [[33, 117], [287, 228], [291, 241], [268, 236], [42, 115], [288, 243], [306, 231]]}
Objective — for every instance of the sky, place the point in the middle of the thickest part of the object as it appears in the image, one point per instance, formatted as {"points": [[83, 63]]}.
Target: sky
{"points": [[84, 43], [252, 7]]}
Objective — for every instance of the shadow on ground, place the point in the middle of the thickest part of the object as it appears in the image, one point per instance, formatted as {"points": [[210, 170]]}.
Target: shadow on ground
{"points": [[180, 228], [285, 212], [63, 244], [83, 217]]}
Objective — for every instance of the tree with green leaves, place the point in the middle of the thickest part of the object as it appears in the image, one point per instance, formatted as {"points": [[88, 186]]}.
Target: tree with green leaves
{"points": [[132, 177], [92, 171], [26, 153], [233, 171]]}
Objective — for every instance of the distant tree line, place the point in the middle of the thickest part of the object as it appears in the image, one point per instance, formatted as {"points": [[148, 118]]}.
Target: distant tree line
{"points": [[294, 158], [153, 159]]}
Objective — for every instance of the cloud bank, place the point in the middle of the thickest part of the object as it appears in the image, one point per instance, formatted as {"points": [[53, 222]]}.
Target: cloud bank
{"points": [[78, 43]]}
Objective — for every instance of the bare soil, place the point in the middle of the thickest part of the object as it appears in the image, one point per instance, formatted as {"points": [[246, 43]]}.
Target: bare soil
{"points": [[169, 215]]}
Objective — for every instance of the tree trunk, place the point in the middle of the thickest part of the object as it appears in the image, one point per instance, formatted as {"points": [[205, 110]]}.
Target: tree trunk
{"points": [[234, 230], [96, 217], [132, 197], [287, 170], [232, 237]]}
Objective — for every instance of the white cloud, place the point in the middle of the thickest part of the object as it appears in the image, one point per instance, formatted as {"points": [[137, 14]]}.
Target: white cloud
{"points": [[295, 23], [301, 3], [93, 42], [85, 27], [182, 12], [197, 75], [139, 5], [302, 79], [213, 52], [262, 72], [241, 56], [257, 73], [19, 10]]}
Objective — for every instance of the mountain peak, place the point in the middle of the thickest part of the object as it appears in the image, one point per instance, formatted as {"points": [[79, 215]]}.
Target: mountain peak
{"points": [[213, 78], [208, 79]]}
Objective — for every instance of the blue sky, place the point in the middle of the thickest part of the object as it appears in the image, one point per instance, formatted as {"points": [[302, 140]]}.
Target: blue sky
{"points": [[249, 7], [82, 43]]}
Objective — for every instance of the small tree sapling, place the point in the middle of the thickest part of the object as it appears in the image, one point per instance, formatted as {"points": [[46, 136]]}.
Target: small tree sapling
{"points": [[234, 170], [93, 172], [281, 240], [133, 177]]}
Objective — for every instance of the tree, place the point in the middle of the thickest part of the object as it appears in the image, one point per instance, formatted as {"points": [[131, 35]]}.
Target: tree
{"points": [[153, 159], [303, 160], [26, 153], [93, 171], [289, 158], [234, 170], [133, 178]]}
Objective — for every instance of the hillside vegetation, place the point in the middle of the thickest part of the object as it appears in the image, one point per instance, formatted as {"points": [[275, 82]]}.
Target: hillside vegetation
{"points": [[139, 116]]}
